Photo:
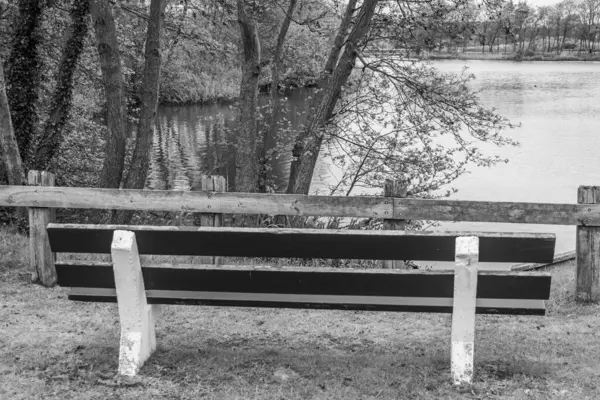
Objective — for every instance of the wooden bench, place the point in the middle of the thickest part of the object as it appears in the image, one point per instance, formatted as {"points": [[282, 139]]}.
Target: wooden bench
{"points": [[463, 291]]}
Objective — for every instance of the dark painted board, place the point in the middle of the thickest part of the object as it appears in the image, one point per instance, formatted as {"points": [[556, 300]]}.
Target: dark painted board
{"points": [[95, 297], [85, 274], [304, 243], [349, 282]]}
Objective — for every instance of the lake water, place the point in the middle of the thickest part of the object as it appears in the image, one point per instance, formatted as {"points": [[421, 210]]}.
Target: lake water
{"points": [[557, 104]]}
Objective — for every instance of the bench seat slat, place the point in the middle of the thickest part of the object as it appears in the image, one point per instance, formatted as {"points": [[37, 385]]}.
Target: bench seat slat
{"points": [[311, 281], [303, 243], [275, 300]]}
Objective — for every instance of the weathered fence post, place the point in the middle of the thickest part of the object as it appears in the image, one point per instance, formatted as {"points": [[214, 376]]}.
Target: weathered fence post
{"points": [[394, 189], [40, 255], [588, 251], [213, 183]]}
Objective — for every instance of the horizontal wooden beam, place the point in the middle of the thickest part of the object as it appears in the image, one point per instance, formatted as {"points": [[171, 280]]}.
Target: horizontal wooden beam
{"points": [[498, 292], [330, 281], [304, 243], [506, 212], [323, 302], [558, 259], [283, 204], [196, 201]]}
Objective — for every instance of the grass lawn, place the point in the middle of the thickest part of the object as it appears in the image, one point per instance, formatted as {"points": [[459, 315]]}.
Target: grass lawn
{"points": [[52, 348]]}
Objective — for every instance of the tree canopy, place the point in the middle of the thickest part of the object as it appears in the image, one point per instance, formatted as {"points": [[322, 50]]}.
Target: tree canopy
{"points": [[82, 76]]}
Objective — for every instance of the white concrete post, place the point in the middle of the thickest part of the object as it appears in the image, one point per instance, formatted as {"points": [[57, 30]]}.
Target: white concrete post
{"points": [[138, 339], [463, 311]]}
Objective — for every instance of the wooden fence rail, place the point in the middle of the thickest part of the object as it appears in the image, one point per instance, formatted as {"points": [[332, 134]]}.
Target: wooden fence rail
{"points": [[285, 204], [585, 214]]}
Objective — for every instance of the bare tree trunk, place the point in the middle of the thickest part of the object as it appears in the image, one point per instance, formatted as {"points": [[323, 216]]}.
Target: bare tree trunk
{"points": [[246, 177], [562, 44], [136, 178], [279, 48], [140, 162], [110, 63], [10, 149], [333, 59], [308, 143], [63, 93], [23, 76], [265, 157], [557, 36], [532, 38], [340, 37]]}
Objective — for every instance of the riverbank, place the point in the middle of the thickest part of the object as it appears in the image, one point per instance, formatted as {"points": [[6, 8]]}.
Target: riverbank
{"points": [[176, 96], [512, 57], [54, 348]]}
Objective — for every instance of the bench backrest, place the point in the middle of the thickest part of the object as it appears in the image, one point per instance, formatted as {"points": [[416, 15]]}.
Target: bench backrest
{"points": [[385, 290]]}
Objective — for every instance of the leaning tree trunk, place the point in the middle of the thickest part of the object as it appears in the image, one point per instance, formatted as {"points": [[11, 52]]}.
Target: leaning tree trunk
{"points": [[10, 149], [23, 75], [246, 177], [285, 26], [340, 37], [140, 162], [110, 63], [265, 156], [63, 93], [308, 143]]}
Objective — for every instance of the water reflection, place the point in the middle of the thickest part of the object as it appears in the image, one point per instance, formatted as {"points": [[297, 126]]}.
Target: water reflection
{"points": [[556, 102], [191, 141]]}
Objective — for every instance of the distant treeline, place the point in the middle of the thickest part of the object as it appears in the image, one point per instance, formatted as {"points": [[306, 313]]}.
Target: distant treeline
{"points": [[570, 25]]}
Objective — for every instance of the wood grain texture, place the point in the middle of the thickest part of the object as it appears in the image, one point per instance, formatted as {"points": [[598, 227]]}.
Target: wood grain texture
{"points": [[394, 189], [283, 204], [588, 251], [211, 183], [303, 243], [41, 257], [342, 282], [203, 202], [506, 212]]}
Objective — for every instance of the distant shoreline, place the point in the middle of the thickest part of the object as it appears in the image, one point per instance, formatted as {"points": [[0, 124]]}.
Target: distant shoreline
{"points": [[511, 57]]}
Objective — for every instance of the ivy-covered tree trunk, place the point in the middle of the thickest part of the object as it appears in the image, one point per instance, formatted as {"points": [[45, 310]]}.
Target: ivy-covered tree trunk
{"points": [[63, 93], [246, 177], [308, 142], [23, 75], [112, 75], [140, 163], [10, 149]]}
